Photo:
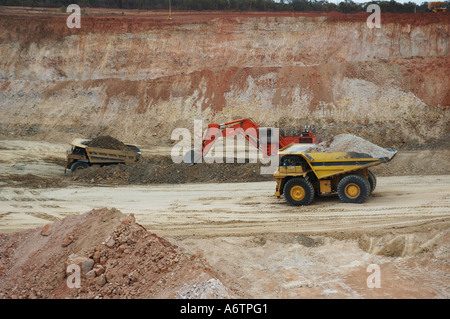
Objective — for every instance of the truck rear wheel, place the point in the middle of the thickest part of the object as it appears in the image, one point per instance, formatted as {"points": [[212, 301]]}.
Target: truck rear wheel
{"points": [[372, 181], [353, 189], [78, 165], [298, 191]]}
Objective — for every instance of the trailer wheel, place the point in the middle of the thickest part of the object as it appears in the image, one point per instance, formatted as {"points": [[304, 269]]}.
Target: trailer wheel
{"points": [[372, 181], [298, 191], [78, 165], [353, 189]]}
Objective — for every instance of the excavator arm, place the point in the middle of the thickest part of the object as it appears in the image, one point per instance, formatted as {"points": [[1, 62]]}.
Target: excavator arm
{"points": [[250, 131], [245, 127]]}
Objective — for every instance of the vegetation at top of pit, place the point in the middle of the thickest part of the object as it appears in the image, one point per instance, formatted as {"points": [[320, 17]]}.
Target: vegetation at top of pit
{"points": [[346, 6]]}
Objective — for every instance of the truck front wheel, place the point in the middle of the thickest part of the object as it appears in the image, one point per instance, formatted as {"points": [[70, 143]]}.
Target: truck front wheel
{"points": [[78, 165], [298, 191]]}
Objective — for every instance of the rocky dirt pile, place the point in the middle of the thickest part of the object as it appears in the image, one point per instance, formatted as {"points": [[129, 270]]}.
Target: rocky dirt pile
{"points": [[115, 256], [351, 143], [106, 141], [162, 170]]}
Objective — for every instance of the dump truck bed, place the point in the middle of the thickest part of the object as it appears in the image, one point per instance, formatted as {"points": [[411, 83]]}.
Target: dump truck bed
{"points": [[98, 155]]}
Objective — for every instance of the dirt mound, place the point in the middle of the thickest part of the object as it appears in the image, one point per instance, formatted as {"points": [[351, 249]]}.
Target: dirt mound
{"points": [[117, 258], [106, 141], [351, 143], [162, 170]]}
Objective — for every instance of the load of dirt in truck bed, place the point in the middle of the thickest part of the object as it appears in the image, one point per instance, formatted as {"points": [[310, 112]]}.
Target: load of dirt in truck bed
{"points": [[106, 141], [162, 170], [115, 258], [351, 143]]}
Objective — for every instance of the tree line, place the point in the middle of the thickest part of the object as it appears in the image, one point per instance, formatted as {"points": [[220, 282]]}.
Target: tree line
{"points": [[346, 6]]}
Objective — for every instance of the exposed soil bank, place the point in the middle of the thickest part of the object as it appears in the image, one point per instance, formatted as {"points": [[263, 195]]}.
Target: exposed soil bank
{"points": [[139, 77]]}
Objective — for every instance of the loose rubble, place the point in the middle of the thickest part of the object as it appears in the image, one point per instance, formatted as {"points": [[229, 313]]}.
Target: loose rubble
{"points": [[129, 262], [162, 170]]}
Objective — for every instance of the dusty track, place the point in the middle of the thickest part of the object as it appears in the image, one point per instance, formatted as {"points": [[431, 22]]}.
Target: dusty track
{"points": [[243, 209]]}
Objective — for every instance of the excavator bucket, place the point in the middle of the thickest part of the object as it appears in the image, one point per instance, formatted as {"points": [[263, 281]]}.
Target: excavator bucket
{"points": [[193, 157]]}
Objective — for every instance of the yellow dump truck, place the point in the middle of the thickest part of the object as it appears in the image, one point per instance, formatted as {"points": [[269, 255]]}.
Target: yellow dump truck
{"points": [[438, 6], [83, 156], [302, 175]]}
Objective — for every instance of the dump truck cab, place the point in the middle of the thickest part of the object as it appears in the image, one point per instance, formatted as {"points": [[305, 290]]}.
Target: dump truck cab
{"points": [[302, 175]]}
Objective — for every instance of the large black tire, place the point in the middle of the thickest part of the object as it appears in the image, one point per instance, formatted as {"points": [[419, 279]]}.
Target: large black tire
{"points": [[78, 165], [353, 189], [372, 181], [298, 191]]}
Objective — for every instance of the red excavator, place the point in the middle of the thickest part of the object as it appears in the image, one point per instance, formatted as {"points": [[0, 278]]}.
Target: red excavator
{"points": [[259, 137]]}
